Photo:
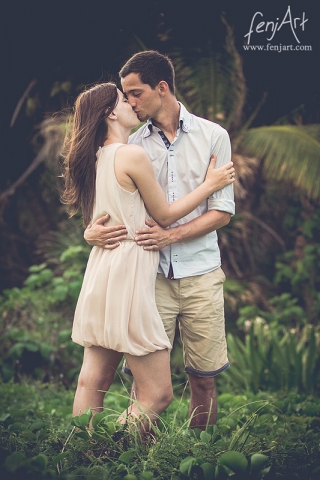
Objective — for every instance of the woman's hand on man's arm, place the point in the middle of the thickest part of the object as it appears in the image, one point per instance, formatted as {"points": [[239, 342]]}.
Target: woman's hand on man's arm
{"points": [[98, 235]]}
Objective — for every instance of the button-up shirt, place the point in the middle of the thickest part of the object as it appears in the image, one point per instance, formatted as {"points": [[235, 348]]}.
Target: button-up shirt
{"points": [[181, 167]]}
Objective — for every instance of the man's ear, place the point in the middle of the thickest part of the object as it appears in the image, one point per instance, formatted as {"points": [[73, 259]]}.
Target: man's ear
{"points": [[163, 87]]}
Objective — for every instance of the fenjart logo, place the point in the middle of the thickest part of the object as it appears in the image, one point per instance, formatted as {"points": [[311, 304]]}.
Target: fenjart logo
{"points": [[295, 24]]}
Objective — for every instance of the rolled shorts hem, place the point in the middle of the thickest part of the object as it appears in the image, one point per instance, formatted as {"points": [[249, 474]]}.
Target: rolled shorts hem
{"points": [[197, 373], [200, 373]]}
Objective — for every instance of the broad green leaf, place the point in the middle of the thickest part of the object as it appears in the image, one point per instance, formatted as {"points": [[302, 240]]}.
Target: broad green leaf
{"points": [[83, 420], [236, 461], [37, 426], [111, 428], [146, 476], [98, 418], [28, 435], [205, 437], [83, 435], [17, 427], [220, 473], [224, 398], [186, 465], [41, 461], [4, 417], [37, 268], [14, 461], [31, 346], [197, 432], [258, 463], [208, 470], [58, 458], [125, 457]]}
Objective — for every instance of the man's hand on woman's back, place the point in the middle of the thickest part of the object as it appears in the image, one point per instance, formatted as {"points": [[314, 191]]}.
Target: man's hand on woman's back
{"points": [[98, 235]]}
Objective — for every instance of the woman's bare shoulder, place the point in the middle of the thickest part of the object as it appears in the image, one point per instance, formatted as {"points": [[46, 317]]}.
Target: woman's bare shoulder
{"points": [[135, 152]]}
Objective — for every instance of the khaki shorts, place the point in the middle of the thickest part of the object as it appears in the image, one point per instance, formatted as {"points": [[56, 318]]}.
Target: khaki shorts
{"points": [[197, 304]]}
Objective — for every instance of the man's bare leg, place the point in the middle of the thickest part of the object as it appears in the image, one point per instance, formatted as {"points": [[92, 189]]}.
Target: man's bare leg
{"points": [[203, 401]]}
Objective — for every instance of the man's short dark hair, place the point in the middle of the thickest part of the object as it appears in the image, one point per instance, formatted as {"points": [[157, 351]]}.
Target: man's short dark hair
{"points": [[152, 67]]}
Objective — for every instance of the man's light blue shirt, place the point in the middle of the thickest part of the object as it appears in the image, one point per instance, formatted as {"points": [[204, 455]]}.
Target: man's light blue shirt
{"points": [[179, 170]]}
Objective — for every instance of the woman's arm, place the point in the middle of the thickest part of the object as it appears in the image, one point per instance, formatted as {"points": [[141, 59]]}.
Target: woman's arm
{"points": [[135, 162]]}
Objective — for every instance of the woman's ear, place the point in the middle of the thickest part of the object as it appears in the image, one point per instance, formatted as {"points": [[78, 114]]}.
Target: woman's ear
{"points": [[112, 116]]}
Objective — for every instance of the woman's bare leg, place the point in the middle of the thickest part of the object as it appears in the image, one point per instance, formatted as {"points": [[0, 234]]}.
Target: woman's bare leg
{"points": [[152, 378], [97, 373]]}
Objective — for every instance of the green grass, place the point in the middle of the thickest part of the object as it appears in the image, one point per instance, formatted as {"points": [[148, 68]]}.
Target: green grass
{"points": [[38, 439]]}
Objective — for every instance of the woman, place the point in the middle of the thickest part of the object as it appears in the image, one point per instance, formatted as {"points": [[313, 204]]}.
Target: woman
{"points": [[116, 313]]}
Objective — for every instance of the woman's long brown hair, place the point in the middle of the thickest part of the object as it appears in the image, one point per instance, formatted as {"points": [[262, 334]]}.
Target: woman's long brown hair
{"points": [[89, 132]]}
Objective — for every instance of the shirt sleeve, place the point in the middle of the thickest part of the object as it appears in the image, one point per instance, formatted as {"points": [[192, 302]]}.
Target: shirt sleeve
{"points": [[222, 200]]}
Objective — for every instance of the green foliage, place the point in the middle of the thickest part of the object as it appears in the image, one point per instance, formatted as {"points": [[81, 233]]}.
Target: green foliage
{"points": [[303, 275], [252, 434], [24, 350], [283, 313], [229, 464], [59, 87], [271, 359], [298, 269], [33, 320], [280, 347], [235, 462], [289, 152]]}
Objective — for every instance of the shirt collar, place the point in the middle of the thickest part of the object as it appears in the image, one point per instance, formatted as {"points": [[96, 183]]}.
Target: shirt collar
{"points": [[184, 121], [185, 118]]}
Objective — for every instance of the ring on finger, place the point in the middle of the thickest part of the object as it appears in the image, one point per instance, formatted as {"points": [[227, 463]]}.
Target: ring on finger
{"points": [[109, 241]]}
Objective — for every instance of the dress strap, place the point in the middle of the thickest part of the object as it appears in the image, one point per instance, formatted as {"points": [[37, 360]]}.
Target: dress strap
{"points": [[98, 154]]}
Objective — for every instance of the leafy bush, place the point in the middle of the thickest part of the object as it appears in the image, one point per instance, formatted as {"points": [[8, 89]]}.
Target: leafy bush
{"points": [[298, 269], [36, 320], [283, 313], [275, 360]]}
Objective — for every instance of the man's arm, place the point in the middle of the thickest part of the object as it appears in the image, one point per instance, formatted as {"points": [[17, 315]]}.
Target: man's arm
{"points": [[154, 237], [220, 209], [105, 237]]}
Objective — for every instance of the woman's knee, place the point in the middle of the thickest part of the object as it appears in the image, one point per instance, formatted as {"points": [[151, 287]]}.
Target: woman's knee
{"points": [[162, 397], [95, 380], [98, 368], [167, 396]]}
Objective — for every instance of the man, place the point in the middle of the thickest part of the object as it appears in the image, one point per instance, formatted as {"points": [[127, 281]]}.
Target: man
{"points": [[189, 287]]}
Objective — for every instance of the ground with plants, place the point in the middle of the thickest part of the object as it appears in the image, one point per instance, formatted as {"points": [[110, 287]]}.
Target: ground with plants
{"points": [[269, 409], [259, 435]]}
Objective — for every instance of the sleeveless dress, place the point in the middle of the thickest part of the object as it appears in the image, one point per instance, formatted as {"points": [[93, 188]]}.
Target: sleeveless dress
{"points": [[116, 308]]}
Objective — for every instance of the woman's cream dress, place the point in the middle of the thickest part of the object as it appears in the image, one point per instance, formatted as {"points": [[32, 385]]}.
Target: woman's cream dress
{"points": [[116, 308]]}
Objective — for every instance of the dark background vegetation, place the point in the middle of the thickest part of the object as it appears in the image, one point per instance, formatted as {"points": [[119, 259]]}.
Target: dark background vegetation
{"points": [[88, 41]]}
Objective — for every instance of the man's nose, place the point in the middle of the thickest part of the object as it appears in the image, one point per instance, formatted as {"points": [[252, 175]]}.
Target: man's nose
{"points": [[132, 102]]}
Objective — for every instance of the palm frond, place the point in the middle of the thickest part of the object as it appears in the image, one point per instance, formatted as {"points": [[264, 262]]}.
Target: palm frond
{"points": [[237, 79], [290, 153], [246, 167], [212, 84]]}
